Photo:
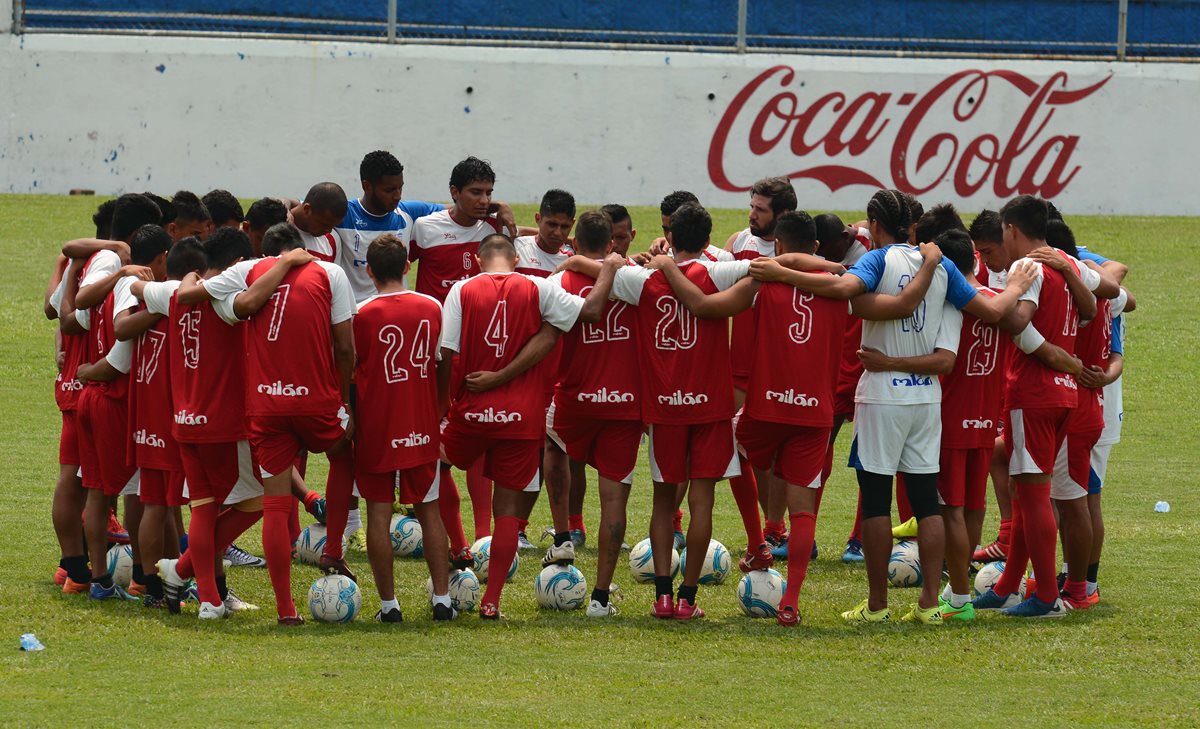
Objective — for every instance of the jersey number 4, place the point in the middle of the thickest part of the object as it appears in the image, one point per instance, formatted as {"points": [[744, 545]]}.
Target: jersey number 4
{"points": [[394, 365], [676, 328]]}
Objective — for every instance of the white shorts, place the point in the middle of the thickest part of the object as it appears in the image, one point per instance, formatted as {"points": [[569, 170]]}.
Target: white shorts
{"points": [[891, 438], [1062, 486], [550, 434], [1100, 454], [247, 486], [134, 485]]}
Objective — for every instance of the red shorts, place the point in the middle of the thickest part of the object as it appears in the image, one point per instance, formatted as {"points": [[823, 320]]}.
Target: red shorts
{"points": [[682, 452], [511, 464], [103, 432], [1073, 467], [278, 439], [211, 469], [1032, 437], [963, 478], [417, 485], [609, 446], [796, 452], [161, 488], [68, 441]]}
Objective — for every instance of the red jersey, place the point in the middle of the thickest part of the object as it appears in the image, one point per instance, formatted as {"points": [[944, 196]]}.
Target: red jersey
{"points": [[102, 340], [487, 320], [1093, 347], [150, 411], [746, 247], [1032, 384], [396, 339], [75, 352], [599, 377], [684, 360], [446, 251], [971, 393], [804, 331], [322, 247]]}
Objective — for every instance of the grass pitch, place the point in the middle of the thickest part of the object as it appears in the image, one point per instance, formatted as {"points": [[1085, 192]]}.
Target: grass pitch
{"points": [[1131, 661]]}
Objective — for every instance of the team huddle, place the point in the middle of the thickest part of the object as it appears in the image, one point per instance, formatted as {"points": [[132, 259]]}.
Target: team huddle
{"points": [[205, 353]]}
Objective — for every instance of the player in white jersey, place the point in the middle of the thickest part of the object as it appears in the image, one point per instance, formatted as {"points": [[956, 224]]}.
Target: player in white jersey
{"points": [[324, 207]]}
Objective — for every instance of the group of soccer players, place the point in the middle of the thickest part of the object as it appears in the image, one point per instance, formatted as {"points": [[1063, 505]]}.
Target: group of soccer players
{"points": [[204, 353]]}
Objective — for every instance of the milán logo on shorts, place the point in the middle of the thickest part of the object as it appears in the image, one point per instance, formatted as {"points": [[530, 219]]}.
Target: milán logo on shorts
{"points": [[491, 415], [1067, 382], [279, 389], [977, 424], [679, 397], [412, 440], [148, 439], [791, 397], [606, 395], [183, 417]]}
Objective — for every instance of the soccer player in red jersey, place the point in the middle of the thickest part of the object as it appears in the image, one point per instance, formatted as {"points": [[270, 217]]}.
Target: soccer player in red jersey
{"points": [[501, 325], [301, 360], [191, 219], [323, 209], [396, 335]]}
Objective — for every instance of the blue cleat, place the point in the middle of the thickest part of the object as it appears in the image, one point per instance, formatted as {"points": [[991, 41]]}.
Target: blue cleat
{"points": [[853, 551], [680, 541], [318, 510], [1035, 608], [578, 538], [96, 591], [990, 600], [778, 545]]}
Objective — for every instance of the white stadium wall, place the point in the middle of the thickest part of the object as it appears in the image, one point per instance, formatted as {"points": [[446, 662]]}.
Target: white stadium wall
{"points": [[271, 117]]}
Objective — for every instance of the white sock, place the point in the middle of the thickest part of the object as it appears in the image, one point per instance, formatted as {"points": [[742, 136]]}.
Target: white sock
{"points": [[390, 605], [442, 600], [353, 522], [1065, 569], [957, 601], [1093, 587], [946, 593]]}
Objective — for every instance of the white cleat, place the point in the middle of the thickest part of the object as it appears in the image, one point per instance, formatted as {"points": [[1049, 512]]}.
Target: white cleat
{"points": [[563, 554], [235, 604], [523, 542], [208, 611], [596, 610]]}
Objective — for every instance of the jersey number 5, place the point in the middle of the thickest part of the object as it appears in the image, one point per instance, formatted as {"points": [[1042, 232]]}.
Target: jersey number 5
{"points": [[800, 330]]}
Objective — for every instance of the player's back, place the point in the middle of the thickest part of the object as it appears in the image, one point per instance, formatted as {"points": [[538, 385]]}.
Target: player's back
{"points": [[150, 415], [971, 392], [598, 375], [1031, 383], [103, 339], [446, 251], [208, 374]]}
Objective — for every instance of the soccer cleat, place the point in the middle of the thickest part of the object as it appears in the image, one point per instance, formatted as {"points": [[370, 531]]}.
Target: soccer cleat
{"points": [[462, 560], [391, 616], [71, 587], [1094, 597], [993, 552], [680, 540], [317, 510], [861, 614], [60, 576], [1035, 608], [116, 532], [759, 559], [357, 541], [208, 611], [1073, 604], [812, 556], [136, 589], [907, 530], [154, 603], [523, 542], [191, 593], [547, 533], [235, 604], [331, 566], [926, 616], [173, 584], [596, 610], [685, 610], [1062, 580], [444, 613], [239, 557], [991, 600], [578, 537], [563, 554], [291, 620], [853, 551], [787, 616], [100, 592], [778, 544], [664, 607], [1030, 586], [489, 611], [964, 613]]}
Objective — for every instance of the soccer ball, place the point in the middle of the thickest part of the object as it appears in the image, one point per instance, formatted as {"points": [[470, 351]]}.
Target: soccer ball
{"points": [[641, 562], [759, 593], [988, 575], [406, 536], [560, 587], [904, 566], [311, 543], [120, 565], [482, 549], [464, 590], [334, 599], [716, 563]]}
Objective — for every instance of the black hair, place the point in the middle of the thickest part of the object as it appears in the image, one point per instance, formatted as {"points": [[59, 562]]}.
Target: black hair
{"points": [[691, 225], [593, 232], [130, 212], [327, 197], [829, 229], [618, 213], [281, 237], [915, 208], [497, 244], [378, 165], [185, 256], [558, 202], [471, 169], [188, 207], [957, 248], [987, 228], [102, 219], [1027, 214], [266, 212], [387, 256], [891, 210], [671, 202], [223, 207], [149, 242], [1054, 213], [165, 208], [797, 231], [781, 192], [938, 220], [225, 246], [1059, 235]]}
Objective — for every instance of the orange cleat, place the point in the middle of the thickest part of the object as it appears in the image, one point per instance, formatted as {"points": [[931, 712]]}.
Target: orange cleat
{"points": [[60, 576], [136, 589], [71, 587]]}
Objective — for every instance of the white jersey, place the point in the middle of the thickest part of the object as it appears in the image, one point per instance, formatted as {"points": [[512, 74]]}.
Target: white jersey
{"points": [[323, 247], [630, 280], [532, 260], [354, 236], [1113, 397], [749, 246], [225, 287]]}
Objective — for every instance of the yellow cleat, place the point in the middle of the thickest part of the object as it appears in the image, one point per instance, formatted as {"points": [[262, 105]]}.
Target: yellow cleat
{"points": [[357, 541], [928, 616], [860, 614], [907, 530]]}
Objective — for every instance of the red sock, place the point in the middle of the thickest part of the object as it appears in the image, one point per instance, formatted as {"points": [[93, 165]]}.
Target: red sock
{"points": [[293, 524], [773, 529], [503, 551], [745, 494], [231, 524], [1041, 537], [278, 551], [1018, 554], [448, 507], [1005, 535], [677, 522], [856, 532], [804, 532], [575, 523], [202, 547], [339, 489], [309, 499], [902, 504], [479, 487], [1075, 590]]}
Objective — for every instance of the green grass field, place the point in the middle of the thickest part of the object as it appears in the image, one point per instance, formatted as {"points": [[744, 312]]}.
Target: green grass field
{"points": [[1131, 661]]}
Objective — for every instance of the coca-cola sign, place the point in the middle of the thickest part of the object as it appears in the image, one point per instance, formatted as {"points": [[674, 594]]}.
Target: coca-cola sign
{"points": [[972, 129]]}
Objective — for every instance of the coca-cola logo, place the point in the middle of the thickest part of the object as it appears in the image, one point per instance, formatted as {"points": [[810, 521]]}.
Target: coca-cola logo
{"points": [[939, 135]]}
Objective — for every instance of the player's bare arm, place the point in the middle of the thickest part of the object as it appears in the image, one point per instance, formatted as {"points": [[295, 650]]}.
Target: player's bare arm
{"points": [[1057, 358], [445, 366], [831, 287], [939, 362], [1085, 302], [92, 294], [885, 307], [997, 309], [129, 324], [256, 297], [735, 299], [60, 266], [1116, 269], [1130, 303], [100, 371], [597, 298], [730, 240], [85, 247], [1096, 378], [534, 351], [67, 322]]}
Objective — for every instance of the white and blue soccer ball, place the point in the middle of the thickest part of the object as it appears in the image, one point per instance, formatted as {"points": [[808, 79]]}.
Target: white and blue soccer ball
{"points": [[311, 543], [759, 593], [464, 590], [988, 575], [406, 536], [334, 599], [120, 565], [716, 563], [560, 587], [482, 549], [904, 565], [641, 562]]}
